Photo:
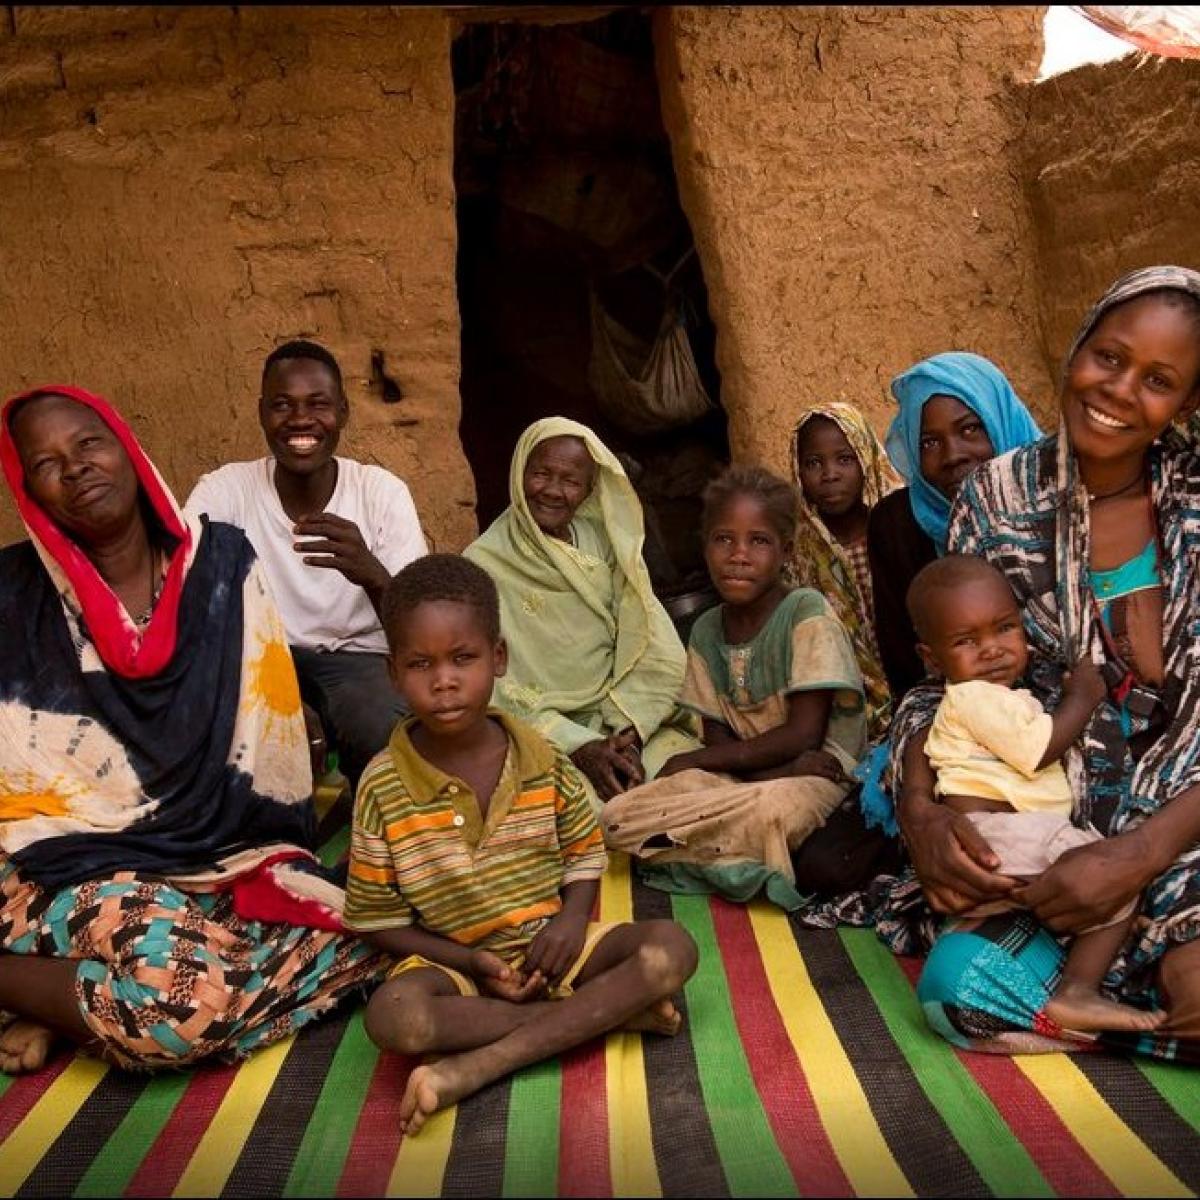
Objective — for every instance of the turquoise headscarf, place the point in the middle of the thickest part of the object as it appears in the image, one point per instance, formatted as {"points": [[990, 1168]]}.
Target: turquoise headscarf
{"points": [[982, 387]]}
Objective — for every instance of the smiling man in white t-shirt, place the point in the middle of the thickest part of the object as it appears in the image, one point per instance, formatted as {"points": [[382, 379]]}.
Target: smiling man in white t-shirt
{"points": [[330, 533]]}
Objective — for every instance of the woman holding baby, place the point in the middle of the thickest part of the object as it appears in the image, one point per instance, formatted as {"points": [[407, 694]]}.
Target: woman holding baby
{"points": [[1097, 529]]}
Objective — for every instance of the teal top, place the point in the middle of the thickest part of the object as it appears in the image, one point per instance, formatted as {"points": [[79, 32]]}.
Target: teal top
{"points": [[1134, 575]]}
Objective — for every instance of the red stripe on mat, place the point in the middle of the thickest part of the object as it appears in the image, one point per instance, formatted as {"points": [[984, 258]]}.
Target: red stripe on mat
{"points": [[26, 1090], [1067, 1167], [377, 1137], [167, 1159], [782, 1087], [583, 1155]]}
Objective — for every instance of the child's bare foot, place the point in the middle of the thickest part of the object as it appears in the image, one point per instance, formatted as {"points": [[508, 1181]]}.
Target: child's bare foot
{"points": [[432, 1087], [1075, 1006], [662, 1017], [24, 1047]]}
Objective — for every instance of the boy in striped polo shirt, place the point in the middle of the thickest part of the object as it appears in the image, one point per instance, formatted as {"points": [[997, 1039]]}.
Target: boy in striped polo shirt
{"points": [[475, 860]]}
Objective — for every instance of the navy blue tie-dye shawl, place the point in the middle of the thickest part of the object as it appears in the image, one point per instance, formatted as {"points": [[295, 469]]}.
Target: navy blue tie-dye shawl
{"points": [[196, 769]]}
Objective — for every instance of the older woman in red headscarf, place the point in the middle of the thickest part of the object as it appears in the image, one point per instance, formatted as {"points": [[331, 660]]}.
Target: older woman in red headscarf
{"points": [[159, 899]]}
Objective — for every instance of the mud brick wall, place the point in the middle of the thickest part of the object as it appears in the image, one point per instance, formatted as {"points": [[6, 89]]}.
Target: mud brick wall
{"points": [[183, 188], [850, 176], [1111, 160]]}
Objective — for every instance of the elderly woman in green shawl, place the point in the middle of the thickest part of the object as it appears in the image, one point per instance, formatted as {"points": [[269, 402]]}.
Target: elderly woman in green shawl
{"points": [[595, 664]]}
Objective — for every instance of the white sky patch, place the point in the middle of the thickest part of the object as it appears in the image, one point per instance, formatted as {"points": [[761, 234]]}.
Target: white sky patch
{"points": [[1072, 41]]}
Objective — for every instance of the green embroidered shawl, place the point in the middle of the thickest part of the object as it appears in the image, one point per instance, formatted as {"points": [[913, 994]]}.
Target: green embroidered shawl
{"points": [[591, 648]]}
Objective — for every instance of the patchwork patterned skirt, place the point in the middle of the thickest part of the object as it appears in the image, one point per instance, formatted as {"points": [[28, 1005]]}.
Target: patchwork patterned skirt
{"points": [[168, 977], [986, 984]]}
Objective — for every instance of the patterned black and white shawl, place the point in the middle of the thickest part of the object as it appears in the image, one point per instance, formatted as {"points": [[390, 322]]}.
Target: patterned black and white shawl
{"points": [[1027, 512]]}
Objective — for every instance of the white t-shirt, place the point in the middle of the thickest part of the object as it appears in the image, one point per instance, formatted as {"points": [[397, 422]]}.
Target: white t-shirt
{"points": [[321, 608]]}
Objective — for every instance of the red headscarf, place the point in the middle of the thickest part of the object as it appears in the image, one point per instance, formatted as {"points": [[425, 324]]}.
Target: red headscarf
{"points": [[122, 647]]}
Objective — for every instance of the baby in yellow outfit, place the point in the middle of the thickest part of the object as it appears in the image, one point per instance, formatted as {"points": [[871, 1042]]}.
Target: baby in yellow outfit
{"points": [[997, 754]]}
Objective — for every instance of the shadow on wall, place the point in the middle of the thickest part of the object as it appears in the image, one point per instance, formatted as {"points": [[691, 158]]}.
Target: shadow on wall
{"points": [[580, 289]]}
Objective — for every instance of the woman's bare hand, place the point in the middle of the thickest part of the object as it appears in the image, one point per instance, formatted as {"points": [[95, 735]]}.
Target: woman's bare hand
{"points": [[952, 859], [1086, 886], [612, 764]]}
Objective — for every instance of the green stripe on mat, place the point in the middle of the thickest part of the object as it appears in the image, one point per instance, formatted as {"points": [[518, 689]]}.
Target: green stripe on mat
{"points": [[333, 849], [115, 1166], [994, 1150], [322, 1153], [1176, 1084], [531, 1145], [750, 1157]]}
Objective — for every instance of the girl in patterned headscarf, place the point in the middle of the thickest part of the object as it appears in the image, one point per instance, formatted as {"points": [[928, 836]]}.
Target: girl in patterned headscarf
{"points": [[841, 471]]}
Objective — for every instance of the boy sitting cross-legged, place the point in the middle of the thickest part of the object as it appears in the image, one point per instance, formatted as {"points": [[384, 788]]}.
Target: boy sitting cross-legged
{"points": [[475, 860]]}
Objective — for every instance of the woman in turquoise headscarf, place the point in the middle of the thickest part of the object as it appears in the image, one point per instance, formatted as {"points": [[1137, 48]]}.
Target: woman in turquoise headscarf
{"points": [[957, 410]]}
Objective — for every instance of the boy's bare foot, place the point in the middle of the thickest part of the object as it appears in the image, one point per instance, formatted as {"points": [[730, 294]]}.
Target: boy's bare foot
{"points": [[24, 1047], [662, 1017], [436, 1085], [1074, 1006], [431, 1087]]}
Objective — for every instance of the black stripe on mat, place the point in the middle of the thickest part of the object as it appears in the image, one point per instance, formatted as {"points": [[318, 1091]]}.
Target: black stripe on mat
{"points": [[1133, 1098], [73, 1152], [337, 818], [685, 1151], [925, 1149], [476, 1163], [266, 1159]]}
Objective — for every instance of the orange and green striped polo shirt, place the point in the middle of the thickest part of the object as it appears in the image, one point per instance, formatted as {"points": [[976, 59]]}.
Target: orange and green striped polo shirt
{"points": [[421, 854]]}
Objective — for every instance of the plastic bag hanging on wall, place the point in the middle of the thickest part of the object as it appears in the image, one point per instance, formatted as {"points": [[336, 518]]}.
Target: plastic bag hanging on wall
{"points": [[1169, 30], [647, 388]]}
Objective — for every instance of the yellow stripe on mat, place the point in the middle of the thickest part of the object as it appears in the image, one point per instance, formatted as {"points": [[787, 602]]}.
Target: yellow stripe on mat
{"points": [[1133, 1168], [631, 1159], [853, 1131], [28, 1144], [421, 1162], [217, 1152]]}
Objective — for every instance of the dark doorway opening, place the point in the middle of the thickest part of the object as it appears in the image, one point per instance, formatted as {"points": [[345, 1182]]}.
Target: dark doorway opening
{"points": [[577, 269]]}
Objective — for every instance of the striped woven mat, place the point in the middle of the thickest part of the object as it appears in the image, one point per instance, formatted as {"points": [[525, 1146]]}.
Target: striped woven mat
{"points": [[805, 1068]]}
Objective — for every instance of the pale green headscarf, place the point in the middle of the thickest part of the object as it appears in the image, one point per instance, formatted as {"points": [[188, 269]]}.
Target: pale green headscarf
{"points": [[591, 648]]}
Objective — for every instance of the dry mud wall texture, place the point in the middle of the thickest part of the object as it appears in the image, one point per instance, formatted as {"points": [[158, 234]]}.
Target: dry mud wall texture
{"points": [[183, 188], [1112, 164], [850, 176]]}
